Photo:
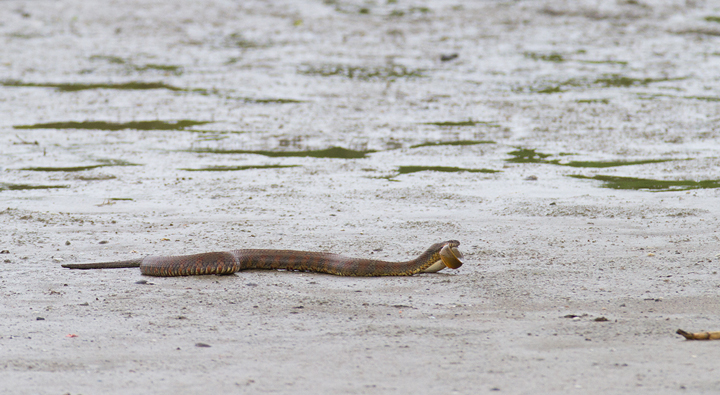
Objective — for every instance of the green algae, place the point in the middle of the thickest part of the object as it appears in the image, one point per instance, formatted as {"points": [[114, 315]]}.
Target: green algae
{"points": [[704, 98], [270, 101], [74, 87], [444, 169], [102, 125], [607, 81], [453, 143], [532, 156], [65, 169], [22, 187], [524, 155], [70, 169], [645, 184], [469, 122], [137, 85], [617, 163], [551, 57], [236, 168], [591, 101], [363, 73], [168, 68], [621, 81], [333, 152]]}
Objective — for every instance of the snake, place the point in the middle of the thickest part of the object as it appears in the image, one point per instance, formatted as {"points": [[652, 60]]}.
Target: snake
{"points": [[434, 259]]}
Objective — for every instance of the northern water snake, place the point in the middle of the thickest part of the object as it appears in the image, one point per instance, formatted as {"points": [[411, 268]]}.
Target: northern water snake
{"points": [[437, 257]]}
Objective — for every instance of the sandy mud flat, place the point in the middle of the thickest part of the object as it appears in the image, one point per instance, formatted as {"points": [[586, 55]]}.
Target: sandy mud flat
{"points": [[571, 146]]}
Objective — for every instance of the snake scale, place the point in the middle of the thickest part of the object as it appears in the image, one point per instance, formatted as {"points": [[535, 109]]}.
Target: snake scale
{"points": [[435, 258]]}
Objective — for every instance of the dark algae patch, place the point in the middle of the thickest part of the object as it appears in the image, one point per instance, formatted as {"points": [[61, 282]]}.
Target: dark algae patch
{"points": [[603, 164], [527, 156], [551, 57], [558, 58], [134, 85], [608, 81], [453, 143], [73, 87], [236, 168], [444, 169], [621, 81], [168, 68], [102, 125], [645, 184], [116, 162], [390, 72], [704, 98], [469, 122], [590, 101], [334, 152], [531, 156], [270, 101], [67, 169], [104, 163], [21, 187]]}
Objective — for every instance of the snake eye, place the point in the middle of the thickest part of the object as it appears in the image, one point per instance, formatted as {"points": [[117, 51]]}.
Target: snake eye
{"points": [[451, 257]]}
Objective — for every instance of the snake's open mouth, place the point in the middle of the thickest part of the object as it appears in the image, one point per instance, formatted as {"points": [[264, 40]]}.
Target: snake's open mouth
{"points": [[449, 257]]}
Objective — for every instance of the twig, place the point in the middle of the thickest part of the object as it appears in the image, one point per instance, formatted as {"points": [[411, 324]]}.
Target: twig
{"points": [[699, 335]]}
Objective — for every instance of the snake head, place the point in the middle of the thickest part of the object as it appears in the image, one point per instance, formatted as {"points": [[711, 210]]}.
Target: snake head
{"points": [[451, 256]]}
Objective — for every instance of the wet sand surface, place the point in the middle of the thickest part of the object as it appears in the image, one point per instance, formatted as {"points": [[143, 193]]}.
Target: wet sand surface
{"points": [[571, 146]]}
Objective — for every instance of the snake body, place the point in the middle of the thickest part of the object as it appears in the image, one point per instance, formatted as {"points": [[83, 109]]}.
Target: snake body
{"points": [[437, 257]]}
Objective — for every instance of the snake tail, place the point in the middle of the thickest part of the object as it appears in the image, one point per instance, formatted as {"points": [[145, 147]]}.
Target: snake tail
{"points": [[105, 265]]}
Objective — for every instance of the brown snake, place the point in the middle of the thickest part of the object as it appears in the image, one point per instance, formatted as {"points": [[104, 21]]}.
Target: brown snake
{"points": [[437, 257]]}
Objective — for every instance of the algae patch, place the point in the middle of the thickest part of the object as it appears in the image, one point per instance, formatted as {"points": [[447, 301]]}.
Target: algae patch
{"points": [[443, 169], [104, 163], [607, 81], [165, 68], [236, 168], [22, 187], [65, 169], [136, 85], [74, 87], [527, 156], [333, 152], [551, 57], [616, 80], [364, 73], [469, 122], [645, 184], [616, 163], [453, 143], [102, 125], [531, 156]]}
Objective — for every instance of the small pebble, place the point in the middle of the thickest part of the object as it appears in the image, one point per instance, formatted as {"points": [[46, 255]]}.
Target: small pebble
{"points": [[202, 345], [39, 319], [104, 241]]}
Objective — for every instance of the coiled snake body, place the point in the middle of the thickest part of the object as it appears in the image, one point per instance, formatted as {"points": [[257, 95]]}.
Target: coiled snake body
{"points": [[437, 257]]}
